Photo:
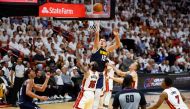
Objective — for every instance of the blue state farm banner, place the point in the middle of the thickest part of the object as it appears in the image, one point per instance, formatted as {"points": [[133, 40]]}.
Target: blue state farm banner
{"points": [[153, 81]]}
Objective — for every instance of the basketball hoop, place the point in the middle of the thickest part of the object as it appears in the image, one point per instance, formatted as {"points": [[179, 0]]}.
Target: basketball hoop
{"points": [[94, 26]]}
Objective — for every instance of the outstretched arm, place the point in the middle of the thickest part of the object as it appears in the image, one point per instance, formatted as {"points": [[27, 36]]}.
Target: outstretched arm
{"points": [[118, 80], [43, 87], [97, 38], [117, 44], [163, 96], [119, 72]]}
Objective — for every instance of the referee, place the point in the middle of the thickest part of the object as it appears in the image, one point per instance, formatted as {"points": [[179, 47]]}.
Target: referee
{"points": [[19, 79], [129, 98]]}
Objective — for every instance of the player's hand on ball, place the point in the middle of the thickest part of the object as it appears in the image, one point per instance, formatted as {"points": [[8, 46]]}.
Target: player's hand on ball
{"points": [[43, 98]]}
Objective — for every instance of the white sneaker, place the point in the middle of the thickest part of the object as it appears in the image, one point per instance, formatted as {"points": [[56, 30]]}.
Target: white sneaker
{"points": [[35, 100], [67, 97], [61, 97], [55, 97]]}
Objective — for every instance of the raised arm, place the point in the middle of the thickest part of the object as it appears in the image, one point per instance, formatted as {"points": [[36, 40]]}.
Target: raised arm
{"points": [[163, 96], [43, 87], [30, 93], [117, 43], [97, 38], [79, 64]]}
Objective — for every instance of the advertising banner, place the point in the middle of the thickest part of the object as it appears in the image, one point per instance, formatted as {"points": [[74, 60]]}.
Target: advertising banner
{"points": [[62, 10]]}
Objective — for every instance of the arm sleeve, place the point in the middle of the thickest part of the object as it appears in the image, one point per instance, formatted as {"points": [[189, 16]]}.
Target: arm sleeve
{"points": [[116, 103], [143, 100]]}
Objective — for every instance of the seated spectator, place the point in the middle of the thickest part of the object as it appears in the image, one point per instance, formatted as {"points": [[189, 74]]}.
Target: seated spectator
{"points": [[175, 68], [74, 72], [5, 81], [68, 83], [39, 80], [164, 67], [8, 56], [39, 59], [151, 67], [4, 38]]}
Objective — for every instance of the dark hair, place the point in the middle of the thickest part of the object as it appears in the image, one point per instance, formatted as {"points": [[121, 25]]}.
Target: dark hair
{"points": [[2, 71], [168, 81], [128, 80], [103, 37], [26, 73], [138, 66], [94, 66]]}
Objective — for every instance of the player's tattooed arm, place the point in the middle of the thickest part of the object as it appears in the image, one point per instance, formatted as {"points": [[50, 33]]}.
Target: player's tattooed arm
{"points": [[163, 96], [117, 39]]}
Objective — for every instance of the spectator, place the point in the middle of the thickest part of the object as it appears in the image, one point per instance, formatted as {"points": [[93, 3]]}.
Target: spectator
{"points": [[4, 38], [175, 68], [8, 56], [7, 86], [74, 72], [68, 83], [39, 80], [39, 59], [59, 83]]}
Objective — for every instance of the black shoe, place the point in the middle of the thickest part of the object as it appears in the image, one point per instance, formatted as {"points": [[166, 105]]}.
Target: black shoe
{"points": [[14, 105]]}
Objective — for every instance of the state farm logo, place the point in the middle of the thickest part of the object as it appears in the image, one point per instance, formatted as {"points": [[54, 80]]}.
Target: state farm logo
{"points": [[45, 10], [52, 10]]}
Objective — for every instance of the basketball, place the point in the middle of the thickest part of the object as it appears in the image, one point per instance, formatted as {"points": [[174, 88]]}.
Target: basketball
{"points": [[98, 7]]}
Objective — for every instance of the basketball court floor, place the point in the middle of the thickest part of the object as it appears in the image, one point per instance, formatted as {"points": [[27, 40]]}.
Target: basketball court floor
{"points": [[150, 97]]}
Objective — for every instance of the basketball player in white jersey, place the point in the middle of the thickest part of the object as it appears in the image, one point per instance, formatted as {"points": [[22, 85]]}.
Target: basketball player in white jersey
{"points": [[107, 86], [85, 98], [171, 95], [132, 71]]}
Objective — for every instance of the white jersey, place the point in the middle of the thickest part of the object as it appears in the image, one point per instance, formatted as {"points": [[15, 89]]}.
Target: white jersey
{"points": [[89, 83], [108, 83], [175, 100]]}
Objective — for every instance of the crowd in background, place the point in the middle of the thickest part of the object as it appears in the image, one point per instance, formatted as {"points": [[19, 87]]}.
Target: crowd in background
{"points": [[159, 30]]}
